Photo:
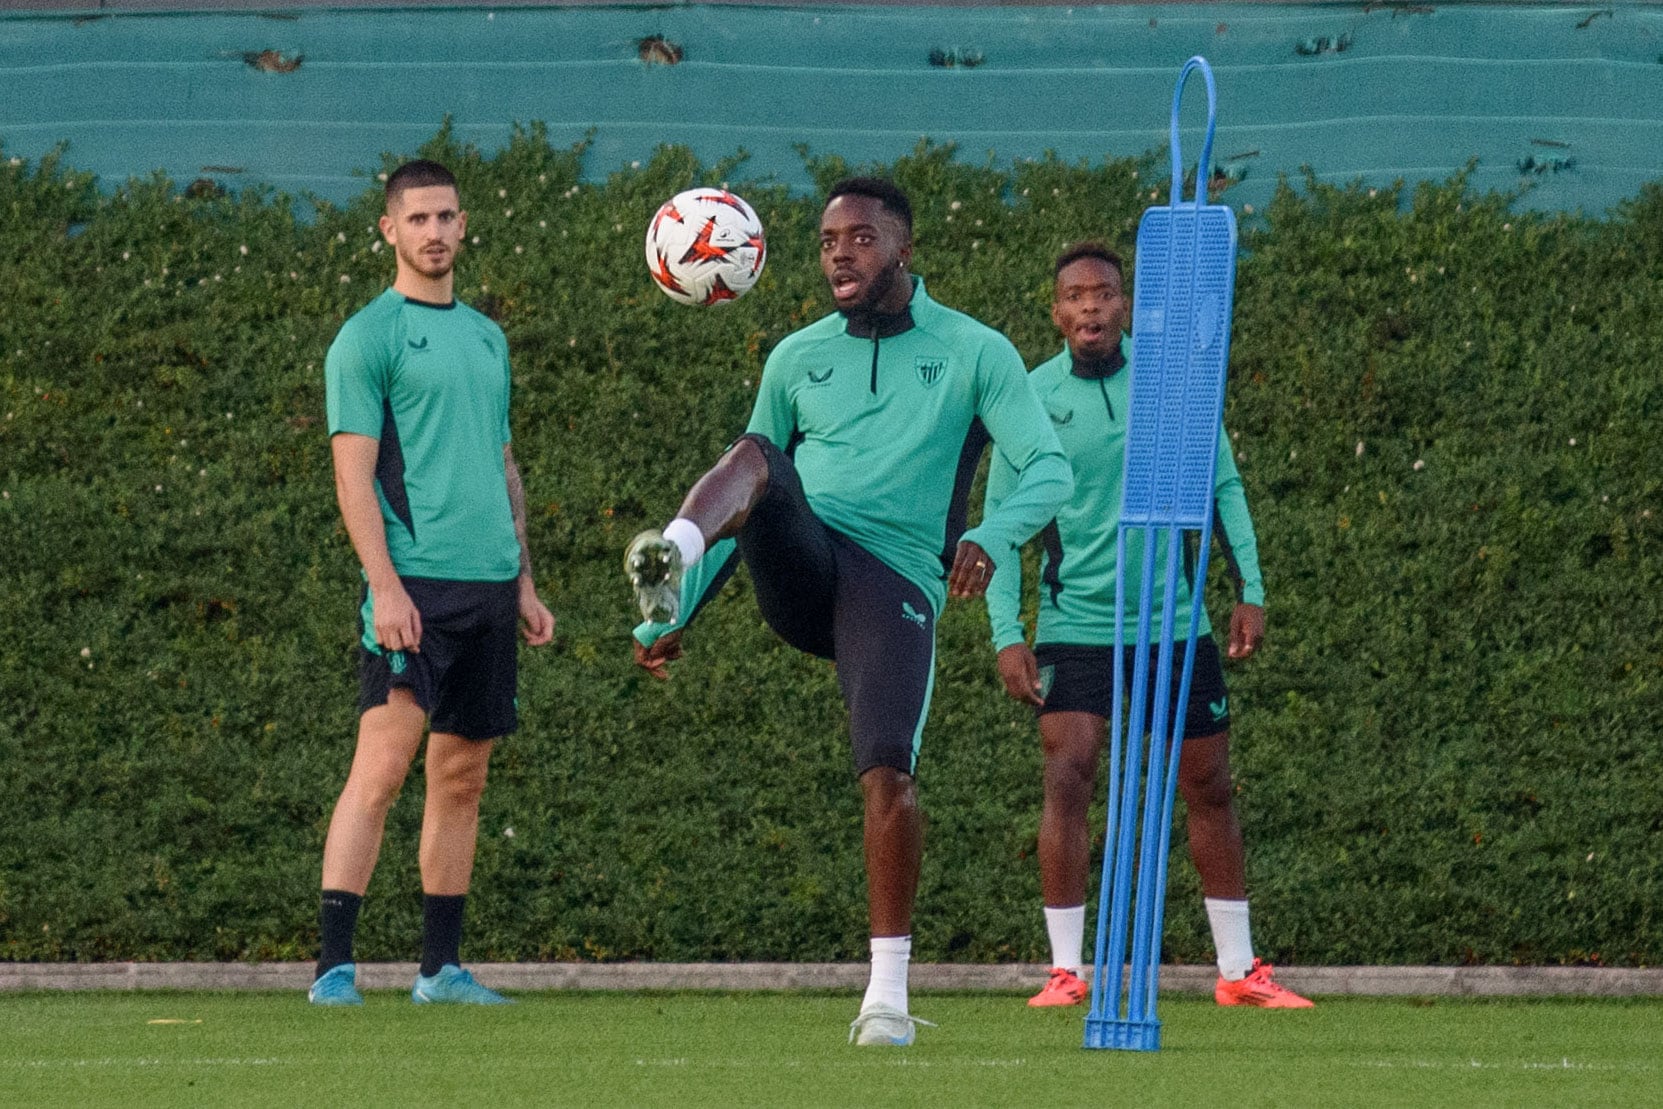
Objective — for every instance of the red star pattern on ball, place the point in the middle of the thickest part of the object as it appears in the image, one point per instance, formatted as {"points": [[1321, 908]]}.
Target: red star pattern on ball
{"points": [[719, 292], [661, 273], [667, 212], [703, 250]]}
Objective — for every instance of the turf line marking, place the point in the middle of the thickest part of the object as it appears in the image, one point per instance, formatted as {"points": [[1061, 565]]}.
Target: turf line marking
{"points": [[46, 1064], [1564, 1064], [868, 1062]]}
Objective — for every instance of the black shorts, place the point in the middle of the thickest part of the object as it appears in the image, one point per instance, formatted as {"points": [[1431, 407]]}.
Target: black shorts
{"points": [[464, 675], [824, 594], [1076, 678]]}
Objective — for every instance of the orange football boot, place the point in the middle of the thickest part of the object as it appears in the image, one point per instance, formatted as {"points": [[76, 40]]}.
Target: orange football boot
{"points": [[1063, 988], [1258, 989]]}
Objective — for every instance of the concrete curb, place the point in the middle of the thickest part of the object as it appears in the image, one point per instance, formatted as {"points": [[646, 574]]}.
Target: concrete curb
{"points": [[1322, 981]]}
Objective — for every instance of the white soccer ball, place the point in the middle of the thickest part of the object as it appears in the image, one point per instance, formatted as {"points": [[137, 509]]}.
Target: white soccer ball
{"points": [[705, 246]]}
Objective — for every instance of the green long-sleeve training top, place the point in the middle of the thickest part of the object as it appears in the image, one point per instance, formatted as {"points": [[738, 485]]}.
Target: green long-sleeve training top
{"points": [[1077, 570]]}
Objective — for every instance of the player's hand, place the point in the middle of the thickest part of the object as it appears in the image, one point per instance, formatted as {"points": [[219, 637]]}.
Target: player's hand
{"points": [[536, 621], [1020, 672], [972, 570], [398, 626], [1247, 630], [656, 659]]}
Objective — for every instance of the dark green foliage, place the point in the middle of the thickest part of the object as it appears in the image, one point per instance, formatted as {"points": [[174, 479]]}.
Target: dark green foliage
{"points": [[1448, 420]]}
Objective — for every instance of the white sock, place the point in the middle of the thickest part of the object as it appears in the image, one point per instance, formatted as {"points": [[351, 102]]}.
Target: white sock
{"points": [[685, 534], [888, 985], [1232, 937], [1067, 928]]}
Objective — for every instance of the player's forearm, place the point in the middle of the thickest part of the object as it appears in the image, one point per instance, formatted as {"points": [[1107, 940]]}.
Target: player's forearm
{"points": [[1241, 545], [361, 513], [1233, 526], [1042, 488], [1004, 603], [1004, 592], [516, 505]]}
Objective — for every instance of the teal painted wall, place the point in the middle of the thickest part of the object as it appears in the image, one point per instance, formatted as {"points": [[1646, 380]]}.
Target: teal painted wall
{"points": [[1417, 91]]}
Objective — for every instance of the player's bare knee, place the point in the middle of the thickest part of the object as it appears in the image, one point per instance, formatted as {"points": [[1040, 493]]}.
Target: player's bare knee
{"points": [[742, 464], [373, 790], [456, 781], [746, 453], [1211, 794], [1206, 784], [888, 792], [1070, 779], [751, 461]]}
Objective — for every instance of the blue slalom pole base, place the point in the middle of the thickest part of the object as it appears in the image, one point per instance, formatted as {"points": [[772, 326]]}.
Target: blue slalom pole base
{"points": [[1123, 1035]]}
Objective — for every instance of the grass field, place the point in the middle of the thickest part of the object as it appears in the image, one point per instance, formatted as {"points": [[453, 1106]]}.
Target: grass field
{"points": [[245, 1049]]}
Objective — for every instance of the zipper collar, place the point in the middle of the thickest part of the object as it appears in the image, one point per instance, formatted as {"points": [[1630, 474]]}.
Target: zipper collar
{"points": [[1098, 369], [863, 323], [866, 324]]}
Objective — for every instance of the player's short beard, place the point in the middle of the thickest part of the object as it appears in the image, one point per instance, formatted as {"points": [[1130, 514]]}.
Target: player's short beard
{"points": [[882, 285], [418, 262]]}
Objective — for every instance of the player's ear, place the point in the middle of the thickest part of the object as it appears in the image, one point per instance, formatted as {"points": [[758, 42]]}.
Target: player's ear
{"points": [[387, 225]]}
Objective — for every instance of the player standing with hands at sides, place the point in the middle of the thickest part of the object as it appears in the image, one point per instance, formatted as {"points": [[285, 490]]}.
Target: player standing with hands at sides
{"points": [[1069, 678], [417, 388], [846, 498]]}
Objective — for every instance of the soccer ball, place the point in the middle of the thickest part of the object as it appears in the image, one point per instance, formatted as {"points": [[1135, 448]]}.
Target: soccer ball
{"points": [[704, 246]]}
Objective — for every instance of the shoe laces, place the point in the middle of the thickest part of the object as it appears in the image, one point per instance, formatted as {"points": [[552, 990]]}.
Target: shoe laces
{"points": [[885, 1013]]}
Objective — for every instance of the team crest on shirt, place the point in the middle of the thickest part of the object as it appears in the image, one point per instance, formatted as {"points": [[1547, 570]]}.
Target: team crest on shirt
{"points": [[930, 370]]}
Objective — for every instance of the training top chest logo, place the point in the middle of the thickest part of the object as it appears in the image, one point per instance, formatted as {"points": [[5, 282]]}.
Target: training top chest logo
{"points": [[1061, 419], [415, 346], [821, 377], [930, 370]]}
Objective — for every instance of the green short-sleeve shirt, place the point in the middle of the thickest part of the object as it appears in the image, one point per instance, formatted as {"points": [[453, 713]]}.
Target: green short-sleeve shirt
{"points": [[431, 383]]}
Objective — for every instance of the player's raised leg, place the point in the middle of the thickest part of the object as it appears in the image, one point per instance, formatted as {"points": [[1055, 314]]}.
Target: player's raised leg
{"points": [[1216, 849], [388, 738], [716, 508]]}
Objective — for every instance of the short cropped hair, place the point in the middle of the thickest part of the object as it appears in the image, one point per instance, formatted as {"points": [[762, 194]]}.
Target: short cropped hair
{"points": [[419, 174], [889, 197], [1089, 250]]}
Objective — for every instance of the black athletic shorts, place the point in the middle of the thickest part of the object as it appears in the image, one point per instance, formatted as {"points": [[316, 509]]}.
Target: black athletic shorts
{"points": [[464, 675], [1075, 678], [826, 595]]}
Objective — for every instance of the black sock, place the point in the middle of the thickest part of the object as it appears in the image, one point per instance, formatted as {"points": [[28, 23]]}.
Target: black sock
{"points": [[441, 931], [337, 920]]}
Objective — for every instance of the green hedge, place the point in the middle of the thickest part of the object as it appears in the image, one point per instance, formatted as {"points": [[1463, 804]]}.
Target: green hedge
{"points": [[1449, 420]]}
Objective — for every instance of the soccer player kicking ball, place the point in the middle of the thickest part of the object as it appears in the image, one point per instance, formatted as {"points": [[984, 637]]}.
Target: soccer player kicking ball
{"points": [[846, 499], [417, 389], [1069, 678]]}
